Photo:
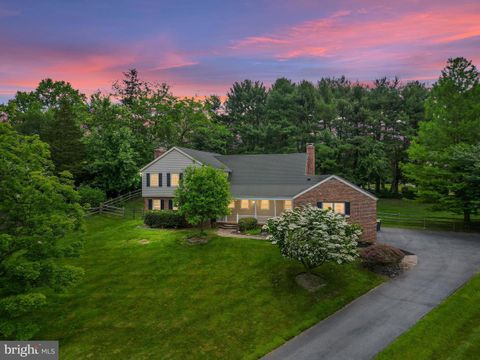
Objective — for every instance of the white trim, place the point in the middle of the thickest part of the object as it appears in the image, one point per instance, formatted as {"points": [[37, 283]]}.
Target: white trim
{"points": [[341, 180], [167, 152]]}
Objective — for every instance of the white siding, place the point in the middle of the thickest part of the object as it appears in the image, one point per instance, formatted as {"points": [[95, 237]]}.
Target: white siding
{"points": [[173, 162]]}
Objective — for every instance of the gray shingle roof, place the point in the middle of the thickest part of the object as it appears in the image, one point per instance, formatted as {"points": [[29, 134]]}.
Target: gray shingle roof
{"points": [[268, 175], [205, 157], [261, 176]]}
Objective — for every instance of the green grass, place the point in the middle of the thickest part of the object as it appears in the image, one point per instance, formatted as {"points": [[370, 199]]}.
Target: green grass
{"points": [[413, 208], [450, 331], [256, 231], [228, 299], [411, 214]]}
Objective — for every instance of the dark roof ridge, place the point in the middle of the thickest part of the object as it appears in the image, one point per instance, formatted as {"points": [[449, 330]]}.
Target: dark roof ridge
{"points": [[269, 154]]}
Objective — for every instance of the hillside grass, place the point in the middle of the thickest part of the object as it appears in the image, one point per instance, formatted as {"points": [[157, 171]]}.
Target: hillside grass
{"points": [[450, 331], [148, 294]]}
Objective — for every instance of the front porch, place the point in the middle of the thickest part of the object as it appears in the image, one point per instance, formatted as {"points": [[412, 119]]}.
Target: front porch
{"points": [[260, 209]]}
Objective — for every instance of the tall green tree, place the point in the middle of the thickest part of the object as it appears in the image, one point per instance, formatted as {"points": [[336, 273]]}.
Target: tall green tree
{"points": [[56, 112], [64, 135], [203, 194], [37, 210], [442, 155], [282, 112], [110, 145], [245, 107], [131, 88]]}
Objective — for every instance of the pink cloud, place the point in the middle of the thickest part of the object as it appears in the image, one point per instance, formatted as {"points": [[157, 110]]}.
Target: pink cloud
{"points": [[258, 41], [89, 69], [354, 34], [173, 60]]}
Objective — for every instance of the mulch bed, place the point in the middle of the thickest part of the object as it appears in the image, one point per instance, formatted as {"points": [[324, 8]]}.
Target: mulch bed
{"points": [[391, 271], [394, 270]]}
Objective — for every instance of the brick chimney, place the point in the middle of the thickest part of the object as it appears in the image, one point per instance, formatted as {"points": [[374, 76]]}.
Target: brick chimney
{"points": [[310, 168], [158, 152]]}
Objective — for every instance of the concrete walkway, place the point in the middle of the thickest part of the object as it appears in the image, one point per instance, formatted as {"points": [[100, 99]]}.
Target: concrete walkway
{"points": [[371, 322], [232, 233]]}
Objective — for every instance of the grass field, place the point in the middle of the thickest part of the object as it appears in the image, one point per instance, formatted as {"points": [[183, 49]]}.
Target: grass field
{"points": [[413, 214], [450, 331], [148, 294], [413, 208]]}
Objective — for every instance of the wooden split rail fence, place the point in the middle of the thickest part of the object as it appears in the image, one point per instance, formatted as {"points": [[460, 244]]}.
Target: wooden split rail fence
{"points": [[434, 223], [114, 206]]}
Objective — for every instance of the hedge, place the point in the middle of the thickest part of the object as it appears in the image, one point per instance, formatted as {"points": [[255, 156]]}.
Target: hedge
{"points": [[248, 223], [169, 219]]}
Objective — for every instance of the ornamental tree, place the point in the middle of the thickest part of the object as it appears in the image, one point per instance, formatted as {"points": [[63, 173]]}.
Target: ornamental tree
{"points": [[203, 194], [314, 236], [37, 210]]}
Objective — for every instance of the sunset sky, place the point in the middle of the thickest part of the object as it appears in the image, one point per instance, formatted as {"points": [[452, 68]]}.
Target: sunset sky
{"points": [[202, 47]]}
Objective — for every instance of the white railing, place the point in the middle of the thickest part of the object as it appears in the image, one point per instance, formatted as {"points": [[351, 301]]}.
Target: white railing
{"points": [[260, 218]]}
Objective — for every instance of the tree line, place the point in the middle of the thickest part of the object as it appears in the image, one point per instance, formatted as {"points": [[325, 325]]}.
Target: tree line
{"points": [[362, 132]]}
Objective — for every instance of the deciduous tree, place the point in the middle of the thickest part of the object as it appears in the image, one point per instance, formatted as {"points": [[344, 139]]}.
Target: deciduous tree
{"points": [[37, 210], [314, 236], [203, 194]]}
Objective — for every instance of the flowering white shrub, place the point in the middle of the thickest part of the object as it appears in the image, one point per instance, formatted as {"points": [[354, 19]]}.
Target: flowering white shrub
{"points": [[313, 236]]}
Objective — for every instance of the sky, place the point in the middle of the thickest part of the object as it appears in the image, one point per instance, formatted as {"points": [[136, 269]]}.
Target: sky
{"points": [[201, 47]]}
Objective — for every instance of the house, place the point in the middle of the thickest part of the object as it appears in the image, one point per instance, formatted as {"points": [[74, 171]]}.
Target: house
{"points": [[262, 186]]}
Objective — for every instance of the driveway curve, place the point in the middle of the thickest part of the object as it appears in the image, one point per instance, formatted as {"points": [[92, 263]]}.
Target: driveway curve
{"points": [[368, 324]]}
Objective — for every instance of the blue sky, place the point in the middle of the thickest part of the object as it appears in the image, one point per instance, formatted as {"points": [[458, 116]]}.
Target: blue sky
{"points": [[200, 48]]}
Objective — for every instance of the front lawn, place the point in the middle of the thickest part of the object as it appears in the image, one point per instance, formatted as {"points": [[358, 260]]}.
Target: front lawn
{"points": [[147, 294], [450, 331]]}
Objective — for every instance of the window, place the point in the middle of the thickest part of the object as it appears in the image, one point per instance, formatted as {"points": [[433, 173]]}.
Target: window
{"points": [[174, 179], [244, 204], [156, 204], [328, 205], [287, 205], [170, 204], [154, 180], [264, 205], [232, 204], [338, 207]]}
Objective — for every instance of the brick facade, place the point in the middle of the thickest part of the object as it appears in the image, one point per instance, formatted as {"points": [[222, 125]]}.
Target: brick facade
{"points": [[363, 209]]}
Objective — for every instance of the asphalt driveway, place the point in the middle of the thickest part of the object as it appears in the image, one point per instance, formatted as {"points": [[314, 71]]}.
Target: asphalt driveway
{"points": [[371, 322]]}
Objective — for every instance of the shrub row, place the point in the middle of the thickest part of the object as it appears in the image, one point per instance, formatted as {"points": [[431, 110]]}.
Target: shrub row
{"points": [[248, 223], [165, 219]]}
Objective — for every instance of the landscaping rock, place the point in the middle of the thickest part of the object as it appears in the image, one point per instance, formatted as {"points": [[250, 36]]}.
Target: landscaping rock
{"points": [[197, 240], [309, 281], [408, 262]]}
